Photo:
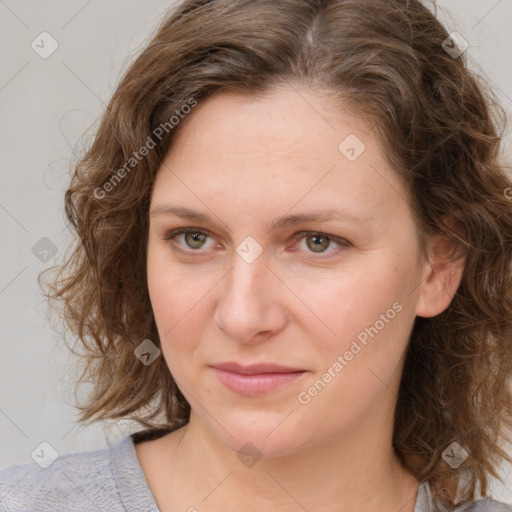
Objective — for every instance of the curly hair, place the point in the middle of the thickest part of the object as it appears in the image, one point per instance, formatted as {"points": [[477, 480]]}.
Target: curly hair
{"points": [[441, 127]]}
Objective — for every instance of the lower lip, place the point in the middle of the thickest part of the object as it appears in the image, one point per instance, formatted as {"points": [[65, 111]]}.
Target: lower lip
{"points": [[256, 384]]}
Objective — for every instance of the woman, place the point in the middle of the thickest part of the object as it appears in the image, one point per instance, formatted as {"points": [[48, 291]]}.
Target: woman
{"points": [[292, 268]]}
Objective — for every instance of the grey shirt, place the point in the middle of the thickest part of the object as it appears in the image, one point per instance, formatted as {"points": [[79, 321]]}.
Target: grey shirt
{"points": [[111, 479]]}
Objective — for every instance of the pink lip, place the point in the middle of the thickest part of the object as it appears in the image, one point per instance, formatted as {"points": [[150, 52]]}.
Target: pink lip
{"points": [[255, 379]]}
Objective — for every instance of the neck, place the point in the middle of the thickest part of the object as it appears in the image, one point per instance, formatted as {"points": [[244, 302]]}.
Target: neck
{"points": [[334, 476]]}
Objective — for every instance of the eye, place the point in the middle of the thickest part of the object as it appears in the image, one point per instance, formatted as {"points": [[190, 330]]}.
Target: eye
{"points": [[194, 238], [318, 243]]}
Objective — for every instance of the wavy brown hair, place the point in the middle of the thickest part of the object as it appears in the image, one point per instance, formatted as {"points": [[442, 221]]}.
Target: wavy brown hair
{"points": [[441, 127]]}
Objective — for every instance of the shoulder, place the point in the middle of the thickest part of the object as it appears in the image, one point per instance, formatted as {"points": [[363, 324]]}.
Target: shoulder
{"points": [[81, 480], [426, 503], [485, 505]]}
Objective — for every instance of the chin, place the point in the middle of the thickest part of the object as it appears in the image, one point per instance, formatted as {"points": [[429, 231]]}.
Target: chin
{"points": [[260, 434]]}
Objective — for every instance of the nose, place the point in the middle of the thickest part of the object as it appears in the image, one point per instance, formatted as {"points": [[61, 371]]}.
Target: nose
{"points": [[250, 308]]}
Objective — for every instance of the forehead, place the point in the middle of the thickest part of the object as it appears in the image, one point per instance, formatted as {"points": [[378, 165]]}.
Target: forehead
{"points": [[285, 146], [293, 119]]}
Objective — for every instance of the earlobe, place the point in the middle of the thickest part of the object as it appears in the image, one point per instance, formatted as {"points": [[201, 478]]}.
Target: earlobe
{"points": [[442, 276]]}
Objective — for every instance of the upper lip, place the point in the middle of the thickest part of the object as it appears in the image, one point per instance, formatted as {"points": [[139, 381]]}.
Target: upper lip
{"points": [[253, 369]]}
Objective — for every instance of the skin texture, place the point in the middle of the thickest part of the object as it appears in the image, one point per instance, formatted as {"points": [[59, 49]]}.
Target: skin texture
{"points": [[246, 161]]}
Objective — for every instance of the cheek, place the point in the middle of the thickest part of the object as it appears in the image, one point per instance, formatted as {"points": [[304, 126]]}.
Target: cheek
{"points": [[350, 301], [174, 289], [177, 299], [358, 363], [369, 323], [178, 311]]}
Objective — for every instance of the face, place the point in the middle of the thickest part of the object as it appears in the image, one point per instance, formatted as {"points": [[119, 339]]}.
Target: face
{"points": [[295, 254]]}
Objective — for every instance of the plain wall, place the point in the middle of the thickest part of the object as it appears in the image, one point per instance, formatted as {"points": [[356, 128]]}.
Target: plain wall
{"points": [[47, 105]]}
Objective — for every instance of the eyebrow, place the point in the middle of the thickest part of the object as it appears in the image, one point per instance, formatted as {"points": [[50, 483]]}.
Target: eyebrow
{"points": [[286, 220]]}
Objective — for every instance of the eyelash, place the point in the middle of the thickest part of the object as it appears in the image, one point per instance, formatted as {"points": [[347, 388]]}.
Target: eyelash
{"points": [[298, 236]]}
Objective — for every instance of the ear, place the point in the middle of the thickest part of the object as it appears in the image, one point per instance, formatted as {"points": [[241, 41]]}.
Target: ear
{"points": [[442, 272]]}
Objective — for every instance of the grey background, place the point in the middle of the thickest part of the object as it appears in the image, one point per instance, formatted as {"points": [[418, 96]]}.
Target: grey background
{"points": [[47, 105]]}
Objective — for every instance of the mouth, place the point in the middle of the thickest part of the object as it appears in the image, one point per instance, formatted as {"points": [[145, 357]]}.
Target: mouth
{"points": [[258, 379]]}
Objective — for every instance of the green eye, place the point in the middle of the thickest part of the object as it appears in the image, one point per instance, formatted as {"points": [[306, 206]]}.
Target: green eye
{"points": [[193, 237], [312, 242], [194, 240], [318, 243]]}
